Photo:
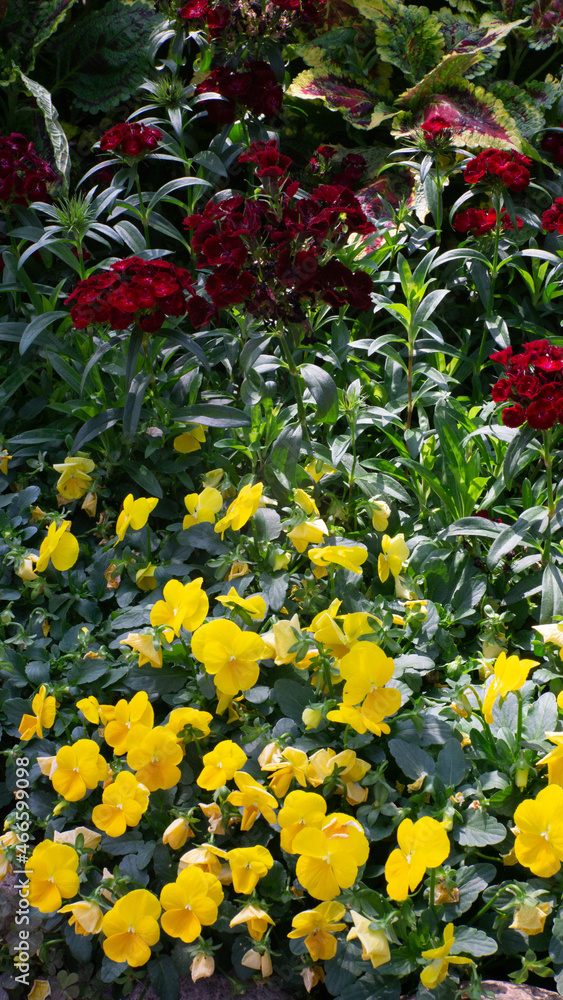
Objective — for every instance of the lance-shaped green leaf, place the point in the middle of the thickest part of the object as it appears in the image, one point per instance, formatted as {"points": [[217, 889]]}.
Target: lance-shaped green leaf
{"points": [[408, 37], [57, 135], [341, 93], [476, 117]]}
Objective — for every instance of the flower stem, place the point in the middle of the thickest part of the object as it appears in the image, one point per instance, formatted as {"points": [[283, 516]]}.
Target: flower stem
{"points": [[432, 889], [548, 462], [295, 378], [144, 216]]}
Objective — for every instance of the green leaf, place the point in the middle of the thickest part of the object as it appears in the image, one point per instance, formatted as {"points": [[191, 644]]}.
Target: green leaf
{"points": [[175, 185], [274, 587], [408, 37], [470, 882], [341, 93], [541, 717], [284, 456], [413, 761], [480, 830], [96, 426], [514, 535], [37, 326], [103, 56], [292, 698], [323, 389], [27, 26], [519, 453], [133, 406], [57, 135], [164, 977], [451, 765], [144, 478], [469, 941], [211, 415], [552, 593]]}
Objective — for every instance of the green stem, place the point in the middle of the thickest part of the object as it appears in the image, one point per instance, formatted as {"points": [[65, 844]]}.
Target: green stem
{"points": [[295, 378], [144, 216], [71, 586], [439, 194], [548, 462], [411, 339], [487, 906], [519, 720], [432, 889]]}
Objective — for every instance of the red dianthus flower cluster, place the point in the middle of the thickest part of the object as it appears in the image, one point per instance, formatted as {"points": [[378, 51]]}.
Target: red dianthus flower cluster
{"points": [[499, 165], [273, 253], [131, 139], [436, 127], [137, 291], [481, 221], [254, 88], [552, 218], [552, 142], [24, 176], [348, 171], [219, 16], [216, 17], [533, 381]]}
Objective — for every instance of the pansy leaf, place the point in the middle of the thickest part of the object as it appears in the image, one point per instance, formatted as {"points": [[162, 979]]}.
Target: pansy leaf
{"points": [[408, 37], [340, 93], [476, 117], [469, 941], [480, 830]]}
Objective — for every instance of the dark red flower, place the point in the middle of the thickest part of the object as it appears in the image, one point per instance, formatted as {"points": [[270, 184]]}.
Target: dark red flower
{"points": [[194, 9], [228, 286], [552, 218], [218, 19], [541, 415], [501, 390], [436, 126], [552, 142], [499, 166], [131, 139], [514, 416], [24, 176]]}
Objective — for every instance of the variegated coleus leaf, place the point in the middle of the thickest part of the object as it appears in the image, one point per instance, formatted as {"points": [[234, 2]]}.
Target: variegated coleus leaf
{"points": [[408, 37], [463, 36], [545, 94], [546, 23], [341, 93], [520, 106], [475, 117]]}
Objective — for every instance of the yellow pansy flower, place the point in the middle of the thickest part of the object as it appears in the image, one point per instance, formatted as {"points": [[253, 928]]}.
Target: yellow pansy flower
{"points": [[202, 967], [220, 765], [4, 459], [86, 916], [145, 647], [202, 507], [375, 946], [52, 873], [259, 961], [188, 903], [255, 606], [318, 926], [254, 799], [330, 857], [123, 803], [304, 500], [369, 716], [510, 674], [350, 557], [242, 508], [94, 712], [281, 638], [131, 928], [554, 759], [177, 832], [256, 920], [190, 440], [207, 857], [184, 606], [394, 553], [212, 478], [287, 764], [422, 845], [317, 469], [301, 811], [44, 708], [90, 838], [440, 959], [74, 479], [127, 716], [59, 547], [365, 669], [135, 514], [248, 865], [197, 720], [144, 578], [531, 919], [307, 533], [229, 655], [79, 767], [380, 514], [7, 840], [25, 569], [539, 842], [551, 633], [155, 758]]}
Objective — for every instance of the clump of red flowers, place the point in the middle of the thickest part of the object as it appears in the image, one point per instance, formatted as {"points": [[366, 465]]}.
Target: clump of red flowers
{"points": [[552, 218], [494, 166], [137, 291], [218, 17], [24, 176], [345, 171], [481, 221], [275, 253], [533, 382], [254, 88], [131, 139], [552, 142]]}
